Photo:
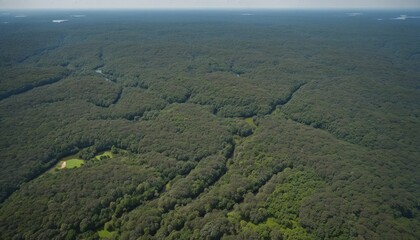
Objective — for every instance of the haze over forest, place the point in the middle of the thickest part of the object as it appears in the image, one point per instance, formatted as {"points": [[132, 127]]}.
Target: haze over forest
{"points": [[206, 4]]}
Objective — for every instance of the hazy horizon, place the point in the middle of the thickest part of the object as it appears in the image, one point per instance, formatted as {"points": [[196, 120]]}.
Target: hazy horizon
{"points": [[207, 4]]}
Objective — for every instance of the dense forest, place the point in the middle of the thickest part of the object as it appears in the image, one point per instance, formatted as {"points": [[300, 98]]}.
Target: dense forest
{"points": [[209, 125]]}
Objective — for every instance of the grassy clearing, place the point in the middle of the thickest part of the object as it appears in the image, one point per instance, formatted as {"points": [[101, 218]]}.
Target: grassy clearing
{"points": [[74, 163]]}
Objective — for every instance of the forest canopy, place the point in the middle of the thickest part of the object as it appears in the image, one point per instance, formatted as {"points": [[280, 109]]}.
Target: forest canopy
{"points": [[209, 125]]}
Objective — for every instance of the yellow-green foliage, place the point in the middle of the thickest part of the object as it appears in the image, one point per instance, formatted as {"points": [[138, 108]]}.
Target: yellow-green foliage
{"points": [[284, 203], [106, 154], [104, 234], [250, 121]]}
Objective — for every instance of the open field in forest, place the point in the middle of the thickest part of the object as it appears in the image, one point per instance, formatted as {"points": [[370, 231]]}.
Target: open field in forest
{"points": [[74, 163]]}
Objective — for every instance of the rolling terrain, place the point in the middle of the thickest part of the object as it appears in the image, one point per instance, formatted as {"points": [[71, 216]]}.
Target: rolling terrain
{"points": [[209, 125]]}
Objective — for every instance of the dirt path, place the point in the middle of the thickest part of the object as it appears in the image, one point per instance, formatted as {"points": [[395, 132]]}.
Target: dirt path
{"points": [[63, 164]]}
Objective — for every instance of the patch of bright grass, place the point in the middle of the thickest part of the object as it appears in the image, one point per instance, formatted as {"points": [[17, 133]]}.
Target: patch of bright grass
{"points": [[74, 163]]}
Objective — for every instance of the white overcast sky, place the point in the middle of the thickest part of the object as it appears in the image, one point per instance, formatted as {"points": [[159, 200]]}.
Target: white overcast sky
{"points": [[210, 4]]}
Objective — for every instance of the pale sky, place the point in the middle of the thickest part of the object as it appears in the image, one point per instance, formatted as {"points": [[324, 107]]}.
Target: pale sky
{"points": [[145, 4]]}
